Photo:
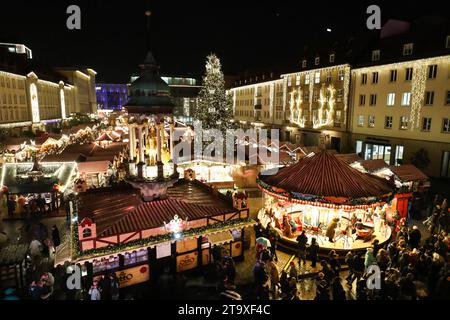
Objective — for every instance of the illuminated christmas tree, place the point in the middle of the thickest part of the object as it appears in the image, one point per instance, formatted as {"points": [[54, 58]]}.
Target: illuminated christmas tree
{"points": [[214, 107]]}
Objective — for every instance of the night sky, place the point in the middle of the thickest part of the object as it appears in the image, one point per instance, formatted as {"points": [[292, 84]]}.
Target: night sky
{"points": [[246, 34]]}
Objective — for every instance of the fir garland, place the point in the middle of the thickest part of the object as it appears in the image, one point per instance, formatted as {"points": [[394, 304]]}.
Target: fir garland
{"points": [[153, 240]]}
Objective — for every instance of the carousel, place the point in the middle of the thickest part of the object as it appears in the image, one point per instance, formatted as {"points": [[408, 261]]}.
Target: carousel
{"points": [[343, 208]]}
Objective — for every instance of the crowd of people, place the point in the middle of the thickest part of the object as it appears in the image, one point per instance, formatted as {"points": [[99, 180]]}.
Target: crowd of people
{"points": [[410, 267]]}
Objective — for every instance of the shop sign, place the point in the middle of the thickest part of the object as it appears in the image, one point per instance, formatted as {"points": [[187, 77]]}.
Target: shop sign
{"points": [[187, 261], [131, 276], [163, 250]]}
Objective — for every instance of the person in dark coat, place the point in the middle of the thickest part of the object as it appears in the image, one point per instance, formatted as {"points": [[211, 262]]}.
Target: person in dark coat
{"points": [[338, 290], [302, 241], [322, 290], [55, 236], [259, 230], [414, 237], [313, 252]]}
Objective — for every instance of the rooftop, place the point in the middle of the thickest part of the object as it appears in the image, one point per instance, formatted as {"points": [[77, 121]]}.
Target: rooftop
{"points": [[118, 211]]}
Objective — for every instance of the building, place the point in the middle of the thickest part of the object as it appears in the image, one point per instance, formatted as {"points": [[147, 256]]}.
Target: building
{"points": [[384, 95], [401, 97], [184, 94], [33, 96], [309, 107], [111, 96], [17, 48]]}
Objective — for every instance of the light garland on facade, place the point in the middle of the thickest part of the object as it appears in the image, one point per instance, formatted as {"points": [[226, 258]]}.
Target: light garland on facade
{"points": [[417, 94], [418, 82]]}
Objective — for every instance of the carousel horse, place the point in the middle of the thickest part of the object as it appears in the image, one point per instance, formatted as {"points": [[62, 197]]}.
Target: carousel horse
{"points": [[345, 235]]}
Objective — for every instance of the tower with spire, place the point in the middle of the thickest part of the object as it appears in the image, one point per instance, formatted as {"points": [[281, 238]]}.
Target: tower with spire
{"points": [[151, 128]]}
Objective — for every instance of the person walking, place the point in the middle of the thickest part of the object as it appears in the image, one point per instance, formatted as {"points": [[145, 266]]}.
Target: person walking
{"points": [[313, 252], [274, 275]]}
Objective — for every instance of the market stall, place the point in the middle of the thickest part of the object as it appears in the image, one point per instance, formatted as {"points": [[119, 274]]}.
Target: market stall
{"points": [[119, 232], [343, 208]]}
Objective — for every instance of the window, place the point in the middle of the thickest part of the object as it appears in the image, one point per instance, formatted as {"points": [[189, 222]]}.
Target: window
{"points": [[371, 121], [289, 81], [373, 99], [390, 99], [359, 145], [307, 78], [447, 97], [331, 57], [360, 120], [406, 99], [374, 77], [304, 64], [328, 78], [399, 155], [408, 49], [429, 98], [87, 233], [341, 75], [135, 257], [432, 71], [317, 61], [315, 96], [364, 78], [362, 99], [337, 118], [403, 122], [388, 122], [317, 77], [446, 125], [409, 74], [375, 55], [393, 76], [339, 94], [426, 124], [297, 80]]}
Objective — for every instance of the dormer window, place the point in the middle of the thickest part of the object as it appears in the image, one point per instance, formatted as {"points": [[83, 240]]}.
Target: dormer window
{"points": [[304, 63], [447, 42], [317, 61], [331, 58], [375, 55], [408, 49]]}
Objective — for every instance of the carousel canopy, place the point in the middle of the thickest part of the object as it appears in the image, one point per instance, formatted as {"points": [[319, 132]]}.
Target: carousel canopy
{"points": [[324, 175]]}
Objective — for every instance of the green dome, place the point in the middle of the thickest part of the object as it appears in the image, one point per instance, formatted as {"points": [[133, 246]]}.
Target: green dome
{"points": [[149, 93]]}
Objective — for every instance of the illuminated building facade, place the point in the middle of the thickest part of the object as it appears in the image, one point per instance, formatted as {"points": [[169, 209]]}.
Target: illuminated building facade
{"points": [[32, 97], [111, 96], [384, 97]]}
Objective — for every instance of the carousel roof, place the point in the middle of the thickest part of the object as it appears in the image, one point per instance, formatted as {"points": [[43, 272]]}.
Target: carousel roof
{"points": [[323, 174]]}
